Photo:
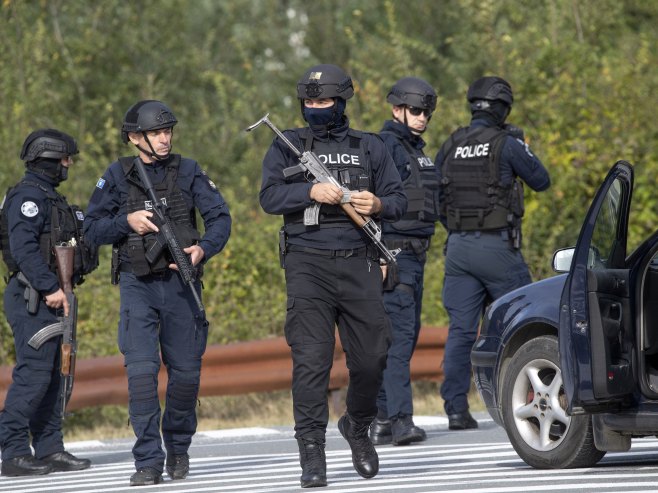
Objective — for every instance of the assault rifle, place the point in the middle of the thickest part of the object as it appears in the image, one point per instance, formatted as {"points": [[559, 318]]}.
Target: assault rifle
{"points": [[66, 327], [309, 161], [167, 237]]}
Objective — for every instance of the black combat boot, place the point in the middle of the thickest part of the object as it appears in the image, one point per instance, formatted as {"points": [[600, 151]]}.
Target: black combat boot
{"points": [[313, 462], [24, 465], [380, 431], [178, 466], [461, 421], [404, 431], [364, 455], [146, 476], [64, 461]]}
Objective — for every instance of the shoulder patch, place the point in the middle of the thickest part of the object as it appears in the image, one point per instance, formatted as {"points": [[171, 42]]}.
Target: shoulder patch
{"points": [[29, 209], [526, 147], [100, 183], [210, 182]]}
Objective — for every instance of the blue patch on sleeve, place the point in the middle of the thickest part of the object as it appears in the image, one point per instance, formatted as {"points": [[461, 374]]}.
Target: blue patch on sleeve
{"points": [[100, 183]]}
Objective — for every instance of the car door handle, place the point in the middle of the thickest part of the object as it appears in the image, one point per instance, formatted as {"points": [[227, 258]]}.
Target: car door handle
{"points": [[615, 312]]}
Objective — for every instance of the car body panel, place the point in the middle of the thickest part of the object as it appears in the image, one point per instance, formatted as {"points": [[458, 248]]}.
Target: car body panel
{"points": [[508, 322], [603, 317]]}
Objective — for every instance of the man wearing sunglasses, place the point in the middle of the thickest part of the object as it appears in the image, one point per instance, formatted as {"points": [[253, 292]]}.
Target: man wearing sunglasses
{"points": [[482, 168], [413, 102]]}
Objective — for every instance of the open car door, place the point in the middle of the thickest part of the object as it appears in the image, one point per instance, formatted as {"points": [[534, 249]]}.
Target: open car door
{"points": [[596, 325]]}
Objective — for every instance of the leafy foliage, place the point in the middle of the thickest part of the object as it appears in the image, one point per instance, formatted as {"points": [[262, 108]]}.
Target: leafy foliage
{"points": [[583, 73]]}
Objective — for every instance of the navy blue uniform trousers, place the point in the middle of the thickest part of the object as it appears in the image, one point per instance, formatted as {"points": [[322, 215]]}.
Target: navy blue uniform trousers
{"points": [[478, 267], [32, 405], [403, 305], [324, 292], [158, 318]]}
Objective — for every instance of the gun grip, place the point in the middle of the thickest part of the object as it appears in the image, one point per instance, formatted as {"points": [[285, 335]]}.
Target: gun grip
{"points": [[293, 170]]}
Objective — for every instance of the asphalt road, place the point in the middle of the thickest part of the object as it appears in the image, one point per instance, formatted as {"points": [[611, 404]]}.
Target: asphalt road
{"points": [[266, 460]]}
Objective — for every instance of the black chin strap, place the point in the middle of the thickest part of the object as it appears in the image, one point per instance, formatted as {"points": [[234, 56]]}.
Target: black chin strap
{"points": [[406, 124], [152, 154]]}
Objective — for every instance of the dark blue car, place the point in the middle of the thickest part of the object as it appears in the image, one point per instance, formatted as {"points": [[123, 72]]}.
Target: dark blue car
{"points": [[569, 365]]}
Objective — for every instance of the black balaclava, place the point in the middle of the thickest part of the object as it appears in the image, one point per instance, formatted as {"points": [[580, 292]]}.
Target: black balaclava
{"points": [[325, 118], [53, 169], [496, 113]]}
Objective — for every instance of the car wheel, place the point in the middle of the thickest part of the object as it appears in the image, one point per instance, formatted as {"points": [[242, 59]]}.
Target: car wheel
{"points": [[533, 407]]}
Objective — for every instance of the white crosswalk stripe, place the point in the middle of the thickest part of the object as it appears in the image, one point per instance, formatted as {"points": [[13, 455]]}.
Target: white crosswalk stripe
{"points": [[219, 464]]}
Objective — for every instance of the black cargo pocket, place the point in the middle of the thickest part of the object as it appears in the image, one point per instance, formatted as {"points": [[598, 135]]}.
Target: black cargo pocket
{"points": [[124, 332], [291, 316], [200, 335]]}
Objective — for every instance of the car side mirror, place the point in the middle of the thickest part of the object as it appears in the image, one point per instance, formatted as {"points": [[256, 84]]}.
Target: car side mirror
{"points": [[562, 259]]}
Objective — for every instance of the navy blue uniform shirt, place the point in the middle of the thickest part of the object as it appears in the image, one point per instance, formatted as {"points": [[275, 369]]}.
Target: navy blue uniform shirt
{"points": [[403, 163], [279, 195], [516, 159], [28, 216], [107, 220]]}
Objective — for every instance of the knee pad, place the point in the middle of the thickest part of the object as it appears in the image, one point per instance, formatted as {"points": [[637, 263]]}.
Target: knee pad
{"points": [[143, 389], [183, 389]]}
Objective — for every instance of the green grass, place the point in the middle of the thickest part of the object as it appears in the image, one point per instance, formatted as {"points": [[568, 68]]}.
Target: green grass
{"points": [[239, 411]]}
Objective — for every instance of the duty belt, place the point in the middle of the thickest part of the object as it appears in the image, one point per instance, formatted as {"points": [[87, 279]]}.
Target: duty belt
{"points": [[416, 245], [353, 252], [126, 267]]}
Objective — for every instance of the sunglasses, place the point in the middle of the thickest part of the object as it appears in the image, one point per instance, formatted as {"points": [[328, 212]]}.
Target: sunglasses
{"points": [[417, 111]]}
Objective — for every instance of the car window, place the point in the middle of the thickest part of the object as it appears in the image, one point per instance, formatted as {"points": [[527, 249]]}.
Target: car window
{"points": [[606, 228]]}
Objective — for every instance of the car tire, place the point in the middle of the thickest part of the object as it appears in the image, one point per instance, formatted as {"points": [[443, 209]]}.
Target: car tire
{"points": [[533, 408]]}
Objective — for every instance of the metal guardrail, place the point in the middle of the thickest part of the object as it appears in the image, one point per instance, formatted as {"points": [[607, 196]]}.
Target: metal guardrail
{"points": [[231, 369]]}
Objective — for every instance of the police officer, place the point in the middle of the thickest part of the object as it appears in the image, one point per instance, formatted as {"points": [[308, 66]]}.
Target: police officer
{"points": [[413, 101], [332, 270], [35, 218], [159, 314], [482, 168]]}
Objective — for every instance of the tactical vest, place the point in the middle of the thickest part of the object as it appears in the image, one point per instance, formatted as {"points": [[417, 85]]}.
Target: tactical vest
{"points": [[473, 197], [348, 162], [134, 246], [421, 188], [65, 226]]}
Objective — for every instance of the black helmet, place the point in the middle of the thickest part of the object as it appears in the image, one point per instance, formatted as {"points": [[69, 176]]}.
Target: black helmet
{"points": [[48, 143], [411, 91], [490, 89], [325, 81], [147, 115]]}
